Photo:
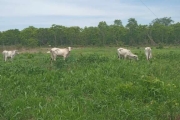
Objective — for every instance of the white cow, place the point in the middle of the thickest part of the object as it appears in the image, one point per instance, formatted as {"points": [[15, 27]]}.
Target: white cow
{"points": [[9, 54], [125, 53], [148, 53], [60, 52]]}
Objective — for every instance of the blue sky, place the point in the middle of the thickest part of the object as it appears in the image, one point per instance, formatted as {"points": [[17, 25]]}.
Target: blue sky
{"points": [[20, 14]]}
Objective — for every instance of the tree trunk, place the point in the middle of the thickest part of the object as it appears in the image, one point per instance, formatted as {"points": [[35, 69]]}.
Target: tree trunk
{"points": [[151, 40]]}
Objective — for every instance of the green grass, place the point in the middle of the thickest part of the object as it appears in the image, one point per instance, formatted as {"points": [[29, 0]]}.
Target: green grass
{"points": [[91, 84]]}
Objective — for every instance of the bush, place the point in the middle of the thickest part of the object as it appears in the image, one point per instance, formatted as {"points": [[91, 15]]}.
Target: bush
{"points": [[32, 42], [160, 46], [93, 58]]}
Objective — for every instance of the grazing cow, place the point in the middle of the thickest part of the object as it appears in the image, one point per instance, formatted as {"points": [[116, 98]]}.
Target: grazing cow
{"points": [[60, 52], [9, 54], [148, 53], [125, 53]]}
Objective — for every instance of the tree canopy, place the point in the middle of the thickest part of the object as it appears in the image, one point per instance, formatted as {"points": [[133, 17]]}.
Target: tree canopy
{"points": [[160, 30]]}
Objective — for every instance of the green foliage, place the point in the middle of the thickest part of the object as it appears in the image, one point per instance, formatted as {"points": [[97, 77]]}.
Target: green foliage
{"points": [[159, 31], [164, 21], [32, 42], [92, 58], [92, 85], [160, 46], [118, 22]]}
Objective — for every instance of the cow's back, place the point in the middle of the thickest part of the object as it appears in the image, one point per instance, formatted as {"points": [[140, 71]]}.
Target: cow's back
{"points": [[4, 52], [124, 51], [147, 49], [59, 51], [7, 53]]}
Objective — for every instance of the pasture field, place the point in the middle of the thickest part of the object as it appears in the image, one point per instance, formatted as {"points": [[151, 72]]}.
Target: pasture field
{"points": [[92, 84]]}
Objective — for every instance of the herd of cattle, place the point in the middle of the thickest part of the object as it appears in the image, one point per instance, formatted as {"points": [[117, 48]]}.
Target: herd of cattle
{"points": [[125, 53], [64, 52]]}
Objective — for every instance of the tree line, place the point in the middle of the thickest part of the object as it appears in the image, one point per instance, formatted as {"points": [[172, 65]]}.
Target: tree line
{"points": [[159, 31]]}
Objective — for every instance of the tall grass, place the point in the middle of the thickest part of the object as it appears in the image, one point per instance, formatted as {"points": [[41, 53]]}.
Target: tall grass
{"points": [[92, 84]]}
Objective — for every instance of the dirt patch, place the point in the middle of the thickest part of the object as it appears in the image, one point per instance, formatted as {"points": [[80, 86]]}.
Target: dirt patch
{"points": [[31, 50], [25, 50], [34, 50]]}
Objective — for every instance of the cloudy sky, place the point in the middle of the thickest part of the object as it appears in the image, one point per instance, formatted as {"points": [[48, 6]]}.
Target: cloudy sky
{"points": [[20, 14]]}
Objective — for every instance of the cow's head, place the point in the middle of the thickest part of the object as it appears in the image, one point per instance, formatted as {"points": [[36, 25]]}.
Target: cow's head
{"points": [[69, 48], [135, 57], [16, 51]]}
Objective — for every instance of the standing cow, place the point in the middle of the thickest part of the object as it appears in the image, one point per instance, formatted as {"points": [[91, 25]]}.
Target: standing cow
{"points": [[9, 54], [64, 52], [125, 53], [148, 53]]}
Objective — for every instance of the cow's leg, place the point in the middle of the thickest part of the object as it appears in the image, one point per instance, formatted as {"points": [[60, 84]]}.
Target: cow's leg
{"points": [[150, 56], [5, 58], [125, 57], [119, 56], [64, 57], [11, 58], [54, 57], [147, 55]]}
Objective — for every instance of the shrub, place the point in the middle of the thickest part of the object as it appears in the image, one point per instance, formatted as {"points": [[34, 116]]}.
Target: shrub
{"points": [[160, 46]]}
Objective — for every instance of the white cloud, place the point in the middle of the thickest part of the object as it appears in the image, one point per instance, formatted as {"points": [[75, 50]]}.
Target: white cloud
{"points": [[82, 12], [45, 7], [33, 8]]}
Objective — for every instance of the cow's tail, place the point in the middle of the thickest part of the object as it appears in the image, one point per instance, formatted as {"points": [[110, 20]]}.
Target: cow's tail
{"points": [[149, 52]]}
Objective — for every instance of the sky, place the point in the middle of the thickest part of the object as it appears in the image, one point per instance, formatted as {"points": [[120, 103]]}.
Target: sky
{"points": [[20, 14]]}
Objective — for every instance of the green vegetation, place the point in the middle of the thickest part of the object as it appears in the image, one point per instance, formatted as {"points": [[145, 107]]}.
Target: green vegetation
{"points": [[92, 84], [161, 31]]}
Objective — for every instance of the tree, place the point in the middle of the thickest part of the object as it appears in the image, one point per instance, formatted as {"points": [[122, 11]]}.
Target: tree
{"points": [[175, 33], [116, 35], [132, 23], [72, 35], [31, 42], [43, 36], [103, 29], [161, 30], [54, 31], [132, 26], [10, 37], [91, 36], [163, 21], [118, 22], [28, 33], [141, 37]]}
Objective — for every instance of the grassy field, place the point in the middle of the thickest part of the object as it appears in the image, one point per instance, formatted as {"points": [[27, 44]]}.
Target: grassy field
{"points": [[92, 84]]}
